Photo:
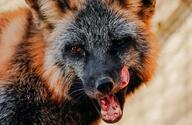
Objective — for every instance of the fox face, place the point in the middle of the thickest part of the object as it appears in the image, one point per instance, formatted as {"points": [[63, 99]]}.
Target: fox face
{"points": [[102, 48]]}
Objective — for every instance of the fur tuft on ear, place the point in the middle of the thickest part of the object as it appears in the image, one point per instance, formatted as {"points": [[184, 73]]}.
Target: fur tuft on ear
{"points": [[147, 10], [47, 12]]}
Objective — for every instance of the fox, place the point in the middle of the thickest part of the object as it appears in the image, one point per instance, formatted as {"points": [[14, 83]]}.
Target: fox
{"points": [[74, 62]]}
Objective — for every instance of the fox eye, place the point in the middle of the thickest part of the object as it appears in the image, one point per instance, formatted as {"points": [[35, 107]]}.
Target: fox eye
{"points": [[76, 49], [120, 45], [123, 41]]}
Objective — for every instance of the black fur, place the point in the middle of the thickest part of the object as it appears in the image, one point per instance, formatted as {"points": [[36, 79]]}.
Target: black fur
{"points": [[107, 40], [147, 2]]}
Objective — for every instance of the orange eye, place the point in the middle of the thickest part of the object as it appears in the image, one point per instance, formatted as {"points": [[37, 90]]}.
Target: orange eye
{"points": [[76, 49]]}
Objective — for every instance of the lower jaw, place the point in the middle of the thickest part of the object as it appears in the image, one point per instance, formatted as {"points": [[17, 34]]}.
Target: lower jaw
{"points": [[114, 121]]}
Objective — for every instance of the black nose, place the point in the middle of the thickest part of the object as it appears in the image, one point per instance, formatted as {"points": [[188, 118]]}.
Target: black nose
{"points": [[104, 85]]}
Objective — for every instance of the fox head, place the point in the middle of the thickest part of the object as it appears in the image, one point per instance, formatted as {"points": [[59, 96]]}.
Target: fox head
{"points": [[103, 48]]}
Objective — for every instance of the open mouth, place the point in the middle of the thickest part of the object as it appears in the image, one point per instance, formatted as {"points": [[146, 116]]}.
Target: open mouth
{"points": [[111, 110], [110, 104]]}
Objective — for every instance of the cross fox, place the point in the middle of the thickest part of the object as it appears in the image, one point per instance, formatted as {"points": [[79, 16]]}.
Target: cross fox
{"points": [[73, 62]]}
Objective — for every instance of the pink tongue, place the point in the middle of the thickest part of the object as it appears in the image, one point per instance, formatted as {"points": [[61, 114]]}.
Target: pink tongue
{"points": [[124, 77], [110, 109]]}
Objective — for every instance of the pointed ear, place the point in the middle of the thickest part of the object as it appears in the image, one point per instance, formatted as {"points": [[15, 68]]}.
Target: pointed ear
{"points": [[147, 9], [47, 12]]}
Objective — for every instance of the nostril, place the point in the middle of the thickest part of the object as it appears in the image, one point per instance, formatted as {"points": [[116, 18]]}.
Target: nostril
{"points": [[104, 85]]}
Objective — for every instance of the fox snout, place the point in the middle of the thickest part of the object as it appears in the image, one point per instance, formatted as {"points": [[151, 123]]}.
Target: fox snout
{"points": [[104, 84], [107, 82]]}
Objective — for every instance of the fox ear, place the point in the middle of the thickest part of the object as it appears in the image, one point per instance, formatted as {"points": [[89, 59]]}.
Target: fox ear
{"points": [[147, 9], [47, 11]]}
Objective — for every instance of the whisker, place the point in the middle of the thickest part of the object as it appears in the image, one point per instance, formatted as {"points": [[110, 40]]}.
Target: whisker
{"points": [[79, 95], [75, 91]]}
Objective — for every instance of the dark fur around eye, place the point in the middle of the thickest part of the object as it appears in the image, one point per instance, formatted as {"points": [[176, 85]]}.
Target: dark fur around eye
{"points": [[123, 41], [122, 44]]}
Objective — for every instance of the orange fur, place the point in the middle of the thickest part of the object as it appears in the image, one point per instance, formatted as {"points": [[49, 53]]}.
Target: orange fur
{"points": [[12, 30], [150, 61]]}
